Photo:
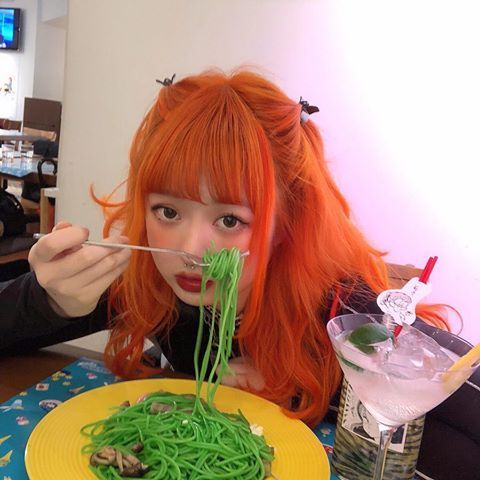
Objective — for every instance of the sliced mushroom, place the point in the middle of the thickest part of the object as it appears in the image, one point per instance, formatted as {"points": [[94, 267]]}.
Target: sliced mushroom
{"points": [[136, 447], [136, 471], [157, 407], [131, 460], [268, 468], [104, 456], [119, 460]]}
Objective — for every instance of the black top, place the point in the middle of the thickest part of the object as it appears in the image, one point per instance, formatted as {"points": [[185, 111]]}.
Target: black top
{"points": [[451, 440]]}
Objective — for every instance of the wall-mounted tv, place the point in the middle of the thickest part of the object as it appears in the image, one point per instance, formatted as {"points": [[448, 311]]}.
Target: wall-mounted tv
{"points": [[9, 28]]}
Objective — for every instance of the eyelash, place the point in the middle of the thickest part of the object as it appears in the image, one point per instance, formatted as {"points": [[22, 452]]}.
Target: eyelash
{"points": [[160, 216], [159, 210], [239, 220]]}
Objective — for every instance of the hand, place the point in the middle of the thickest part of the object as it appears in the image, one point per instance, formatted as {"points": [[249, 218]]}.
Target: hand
{"points": [[243, 375], [75, 275]]}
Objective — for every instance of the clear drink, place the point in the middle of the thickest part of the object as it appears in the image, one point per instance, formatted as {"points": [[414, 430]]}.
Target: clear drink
{"points": [[398, 380]]}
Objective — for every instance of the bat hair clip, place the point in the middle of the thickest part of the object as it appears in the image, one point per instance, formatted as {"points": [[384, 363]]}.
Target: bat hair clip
{"points": [[166, 81], [307, 110]]}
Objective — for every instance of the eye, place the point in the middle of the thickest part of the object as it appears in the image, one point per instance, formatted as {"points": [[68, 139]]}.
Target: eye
{"points": [[230, 222], [164, 213]]}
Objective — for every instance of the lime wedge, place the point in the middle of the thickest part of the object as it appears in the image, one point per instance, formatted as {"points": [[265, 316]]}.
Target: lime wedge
{"points": [[369, 334]]}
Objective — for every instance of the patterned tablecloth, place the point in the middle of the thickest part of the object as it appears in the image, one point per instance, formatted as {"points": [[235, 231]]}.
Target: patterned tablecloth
{"points": [[20, 414]]}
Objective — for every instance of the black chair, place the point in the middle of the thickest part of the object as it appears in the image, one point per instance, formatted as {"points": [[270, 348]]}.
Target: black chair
{"points": [[14, 253]]}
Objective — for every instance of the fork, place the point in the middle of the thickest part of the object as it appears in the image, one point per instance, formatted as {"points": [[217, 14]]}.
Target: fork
{"points": [[195, 261]]}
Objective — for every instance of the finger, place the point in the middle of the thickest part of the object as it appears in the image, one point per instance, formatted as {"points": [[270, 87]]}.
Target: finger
{"points": [[77, 259], [102, 283], [61, 224], [239, 367], [104, 266], [255, 381], [49, 246], [77, 301], [229, 381]]}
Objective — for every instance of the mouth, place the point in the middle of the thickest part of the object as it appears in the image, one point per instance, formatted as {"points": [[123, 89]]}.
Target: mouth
{"points": [[191, 283]]}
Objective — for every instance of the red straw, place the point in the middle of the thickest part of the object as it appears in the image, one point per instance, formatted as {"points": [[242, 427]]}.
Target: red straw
{"points": [[428, 269], [397, 330], [425, 275]]}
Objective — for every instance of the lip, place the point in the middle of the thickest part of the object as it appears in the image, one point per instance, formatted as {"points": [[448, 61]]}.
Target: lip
{"points": [[191, 283]]}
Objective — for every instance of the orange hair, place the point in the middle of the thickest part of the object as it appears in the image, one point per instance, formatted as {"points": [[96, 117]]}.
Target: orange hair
{"points": [[242, 133]]}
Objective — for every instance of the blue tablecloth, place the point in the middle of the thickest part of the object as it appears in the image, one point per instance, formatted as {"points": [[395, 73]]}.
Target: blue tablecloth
{"points": [[20, 414]]}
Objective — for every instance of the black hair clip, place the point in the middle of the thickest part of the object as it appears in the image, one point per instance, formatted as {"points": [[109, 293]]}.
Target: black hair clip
{"points": [[307, 110], [166, 81]]}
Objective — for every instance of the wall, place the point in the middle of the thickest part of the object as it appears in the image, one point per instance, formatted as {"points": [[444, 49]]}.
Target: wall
{"points": [[50, 50], [396, 84]]}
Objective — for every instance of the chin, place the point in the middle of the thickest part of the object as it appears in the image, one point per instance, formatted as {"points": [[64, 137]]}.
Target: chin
{"points": [[193, 299]]}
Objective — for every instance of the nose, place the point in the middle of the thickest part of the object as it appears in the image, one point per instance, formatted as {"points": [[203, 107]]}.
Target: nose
{"points": [[195, 239]]}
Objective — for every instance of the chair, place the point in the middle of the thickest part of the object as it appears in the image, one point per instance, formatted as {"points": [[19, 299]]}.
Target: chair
{"points": [[399, 275], [14, 253], [43, 118], [7, 124]]}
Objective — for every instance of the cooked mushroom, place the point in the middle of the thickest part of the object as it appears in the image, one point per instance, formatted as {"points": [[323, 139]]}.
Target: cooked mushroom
{"points": [[136, 471], [119, 460], [104, 456], [136, 447], [157, 407], [268, 468], [126, 403]]}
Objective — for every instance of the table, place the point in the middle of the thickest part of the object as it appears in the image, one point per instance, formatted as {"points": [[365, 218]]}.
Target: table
{"points": [[53, 374], [16, 136], [17, 172]]}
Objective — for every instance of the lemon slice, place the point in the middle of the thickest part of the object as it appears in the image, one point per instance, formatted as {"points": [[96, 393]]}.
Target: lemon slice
{"points": [[452, 377]]}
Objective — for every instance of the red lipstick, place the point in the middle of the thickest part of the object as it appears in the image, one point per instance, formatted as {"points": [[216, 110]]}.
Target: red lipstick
{"points": [[191, 283]]}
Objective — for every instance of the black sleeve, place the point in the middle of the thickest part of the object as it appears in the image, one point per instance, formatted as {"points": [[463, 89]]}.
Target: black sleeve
{"points": [[27, 322]]}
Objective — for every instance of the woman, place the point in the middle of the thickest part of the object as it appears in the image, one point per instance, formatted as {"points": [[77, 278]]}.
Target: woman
{"points": [[233, 160]]}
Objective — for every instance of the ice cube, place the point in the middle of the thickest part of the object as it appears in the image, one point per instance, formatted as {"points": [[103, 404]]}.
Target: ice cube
{"points": [[415, 355]]}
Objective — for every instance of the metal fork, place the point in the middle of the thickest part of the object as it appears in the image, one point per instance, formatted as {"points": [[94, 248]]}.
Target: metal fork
{"points": [[194, 260]]}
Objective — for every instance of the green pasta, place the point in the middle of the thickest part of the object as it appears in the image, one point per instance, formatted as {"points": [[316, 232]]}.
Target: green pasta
{"points": [[170, 436]]}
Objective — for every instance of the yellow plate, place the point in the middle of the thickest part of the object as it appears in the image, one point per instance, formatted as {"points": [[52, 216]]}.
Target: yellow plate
{"points": [[53, 449]]}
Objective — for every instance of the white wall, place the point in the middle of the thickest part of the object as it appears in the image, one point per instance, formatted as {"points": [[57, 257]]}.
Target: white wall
{"points": [[396, 83], [50, 50]]}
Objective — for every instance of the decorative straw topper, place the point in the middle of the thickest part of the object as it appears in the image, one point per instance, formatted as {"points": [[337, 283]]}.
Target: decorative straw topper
{"points": [[401, 303]]}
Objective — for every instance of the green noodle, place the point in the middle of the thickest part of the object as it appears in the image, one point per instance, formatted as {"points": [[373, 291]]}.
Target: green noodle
{"points": [[190, 439]]}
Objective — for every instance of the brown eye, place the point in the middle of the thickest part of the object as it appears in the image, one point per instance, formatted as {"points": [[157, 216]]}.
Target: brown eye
{"points": [[169, 213], [230, 221], [165, 213]]}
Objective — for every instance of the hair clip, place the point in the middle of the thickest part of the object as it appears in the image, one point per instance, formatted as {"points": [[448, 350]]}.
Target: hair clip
{"points": [[307, 110], [166, 81]]}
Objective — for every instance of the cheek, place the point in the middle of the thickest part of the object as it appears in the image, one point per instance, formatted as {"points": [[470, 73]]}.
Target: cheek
{"points": [[248, 274], [155, 234]]}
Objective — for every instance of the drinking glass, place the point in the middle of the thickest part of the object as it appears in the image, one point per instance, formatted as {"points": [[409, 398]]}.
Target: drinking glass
{"points": [[26, 156], [401, 380], [8, 154]]}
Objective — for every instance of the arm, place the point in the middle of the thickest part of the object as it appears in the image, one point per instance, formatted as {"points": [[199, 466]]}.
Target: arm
{"points": [[65, 298], [27, 321]]}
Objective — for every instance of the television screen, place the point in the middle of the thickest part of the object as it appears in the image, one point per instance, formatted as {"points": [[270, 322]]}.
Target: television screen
{"points": [[9, 28]]}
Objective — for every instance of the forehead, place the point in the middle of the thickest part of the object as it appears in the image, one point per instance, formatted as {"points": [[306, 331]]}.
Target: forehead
{"points": [[207, 197]]}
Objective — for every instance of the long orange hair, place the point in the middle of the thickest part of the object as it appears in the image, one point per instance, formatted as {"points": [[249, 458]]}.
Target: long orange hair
{"points": [[241, 133]]}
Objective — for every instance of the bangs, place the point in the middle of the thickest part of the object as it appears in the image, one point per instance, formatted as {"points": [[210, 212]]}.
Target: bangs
{"points": [[212, 136]]}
